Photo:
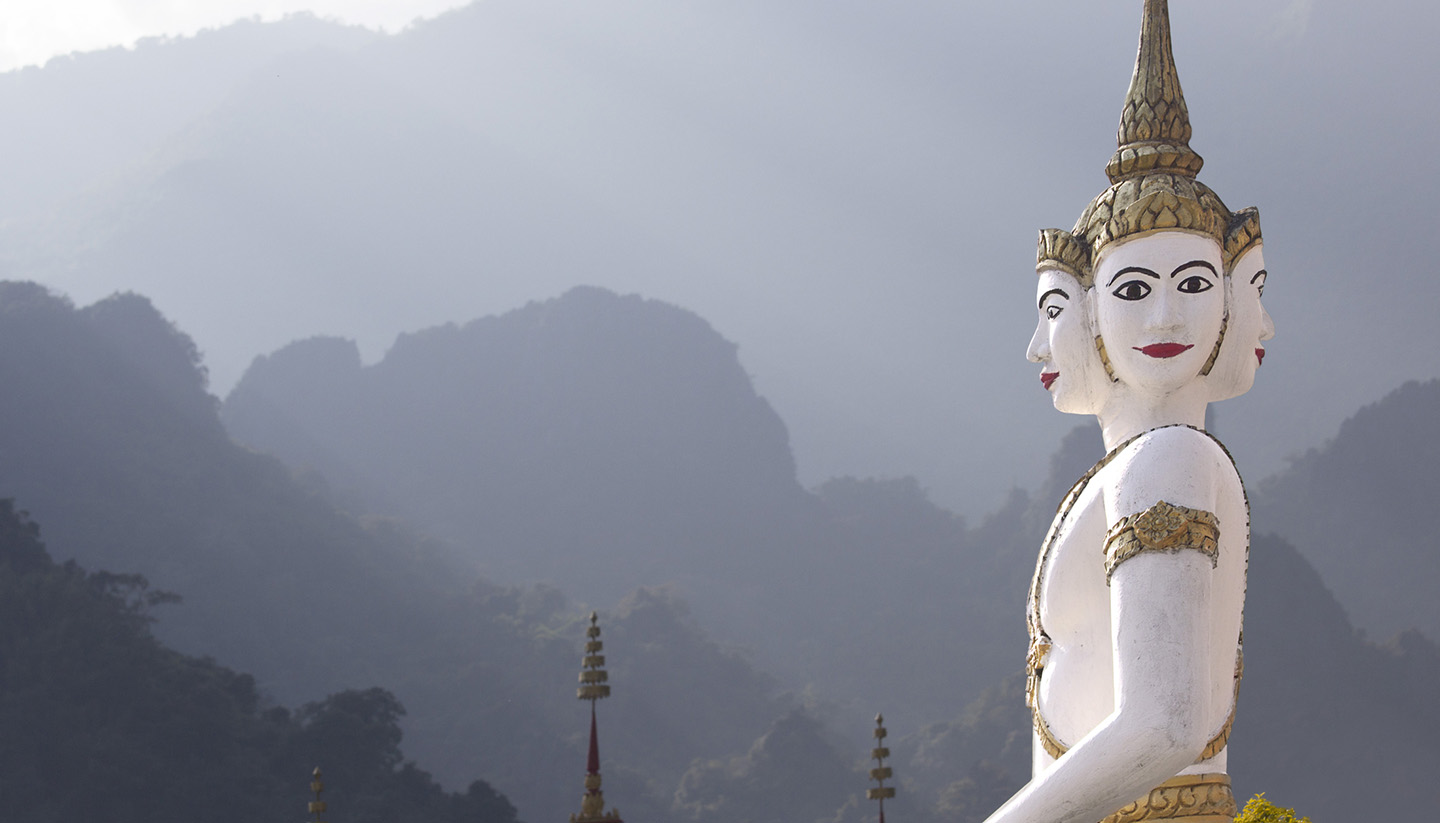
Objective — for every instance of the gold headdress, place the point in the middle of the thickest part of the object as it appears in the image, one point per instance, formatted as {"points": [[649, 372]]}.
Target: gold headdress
{"points": [[1243, 234], [1152, 173], [1062, 250]]}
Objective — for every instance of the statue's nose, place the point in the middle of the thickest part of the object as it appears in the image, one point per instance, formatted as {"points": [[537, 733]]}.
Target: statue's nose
{"points": [[1039, 349], [1165, 310]]}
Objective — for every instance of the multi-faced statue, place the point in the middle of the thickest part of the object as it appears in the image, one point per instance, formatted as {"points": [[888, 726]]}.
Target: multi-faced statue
{"points": [[1148, 310]]}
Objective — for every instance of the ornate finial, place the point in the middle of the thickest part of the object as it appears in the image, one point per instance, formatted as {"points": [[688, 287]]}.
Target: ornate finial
{"points": [[1154, 134], [317, 806], [593, 687], [881, 772], [1153, 186], [592, 675]]}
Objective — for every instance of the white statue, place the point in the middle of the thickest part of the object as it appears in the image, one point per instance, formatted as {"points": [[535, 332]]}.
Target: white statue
{"points": [[1148, 310]]}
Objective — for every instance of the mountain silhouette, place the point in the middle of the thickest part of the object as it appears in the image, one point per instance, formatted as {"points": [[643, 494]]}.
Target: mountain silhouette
{"points": [[1352, 507]]}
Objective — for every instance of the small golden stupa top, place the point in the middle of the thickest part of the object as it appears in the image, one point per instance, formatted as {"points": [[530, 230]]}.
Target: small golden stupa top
{"points": [[316, 806], [1154, 134], [593, 687], [881, 772]]}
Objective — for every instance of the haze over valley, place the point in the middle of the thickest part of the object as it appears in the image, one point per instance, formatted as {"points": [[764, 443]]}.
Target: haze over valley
{"points": [[850, 194], [347, 372]]}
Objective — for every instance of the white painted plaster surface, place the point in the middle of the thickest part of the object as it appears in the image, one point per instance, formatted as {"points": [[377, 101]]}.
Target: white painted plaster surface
{"points": [[1140, 674], [1248, 327]]}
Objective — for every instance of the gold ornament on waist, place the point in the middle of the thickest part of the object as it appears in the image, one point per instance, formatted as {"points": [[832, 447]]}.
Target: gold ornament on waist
{"points": [[1193, 798], [1162, 528]]}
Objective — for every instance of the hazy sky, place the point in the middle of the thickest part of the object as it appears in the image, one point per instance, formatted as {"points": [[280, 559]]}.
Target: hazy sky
{"points": [[33, 31], [848, 191]]}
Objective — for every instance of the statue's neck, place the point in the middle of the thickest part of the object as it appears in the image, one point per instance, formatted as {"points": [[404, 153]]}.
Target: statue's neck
{"points": [[1129, 413]]}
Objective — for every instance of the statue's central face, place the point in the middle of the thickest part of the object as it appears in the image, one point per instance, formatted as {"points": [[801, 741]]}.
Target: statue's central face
{"points": [[1160, 305]]}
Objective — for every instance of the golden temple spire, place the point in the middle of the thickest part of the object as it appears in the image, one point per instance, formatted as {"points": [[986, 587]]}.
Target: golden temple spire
{"points": [[593, 687], [317, 806], [881, 772], [1154, 134]]}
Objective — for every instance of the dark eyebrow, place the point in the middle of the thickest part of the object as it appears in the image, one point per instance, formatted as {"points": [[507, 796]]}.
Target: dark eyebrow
{"points": [[1259, 274], [1060, 292], [1136, 270], [1196, 264]]}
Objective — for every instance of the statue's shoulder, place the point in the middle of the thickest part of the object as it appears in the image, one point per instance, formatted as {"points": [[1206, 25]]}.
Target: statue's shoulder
{"points": [[1181, 464], [1175, 447]]}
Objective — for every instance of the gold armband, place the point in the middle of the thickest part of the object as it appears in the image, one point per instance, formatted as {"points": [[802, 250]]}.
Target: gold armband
{"points": [[1162, 528]]}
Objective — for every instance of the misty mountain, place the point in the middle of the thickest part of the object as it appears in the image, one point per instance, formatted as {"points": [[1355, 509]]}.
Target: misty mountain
{"points": [[110, 436], [851, 192], [102, 718], [80, 122], [1353, 508], [592, 441], [595, 442], [899, 590]]}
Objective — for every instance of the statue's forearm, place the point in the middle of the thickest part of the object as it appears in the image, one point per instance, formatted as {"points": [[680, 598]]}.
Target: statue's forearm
{"points": [[1160, 615]]}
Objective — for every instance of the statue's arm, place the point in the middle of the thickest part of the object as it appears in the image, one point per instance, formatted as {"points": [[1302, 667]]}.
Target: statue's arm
{"points": [[1160, 615]]}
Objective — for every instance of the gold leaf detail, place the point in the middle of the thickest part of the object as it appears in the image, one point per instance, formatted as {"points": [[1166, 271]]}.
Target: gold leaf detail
{"points": [[1162, 528]]}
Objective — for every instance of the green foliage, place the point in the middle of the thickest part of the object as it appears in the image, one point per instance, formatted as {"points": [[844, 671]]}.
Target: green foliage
{"points": [[1260, 810], [99, 716]]}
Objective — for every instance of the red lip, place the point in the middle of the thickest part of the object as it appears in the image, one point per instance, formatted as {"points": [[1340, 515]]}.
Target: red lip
{"points": [[1260, 355], [1163, 349], [1047, 378]]}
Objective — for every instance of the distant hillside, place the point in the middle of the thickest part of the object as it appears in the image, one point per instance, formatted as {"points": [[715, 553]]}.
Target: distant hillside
{"points": [[108, 435], [1355, 508], [103, 721], [596, 442], [83, 119]]}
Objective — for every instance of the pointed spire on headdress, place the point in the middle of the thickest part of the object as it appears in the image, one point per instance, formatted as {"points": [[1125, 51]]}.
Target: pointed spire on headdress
{"points": [[1154, 134], [593, 687], [881, 772]]}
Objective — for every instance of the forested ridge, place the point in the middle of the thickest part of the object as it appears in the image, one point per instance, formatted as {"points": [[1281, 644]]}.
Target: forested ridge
{"points": [[315, 579], [103, 722]]}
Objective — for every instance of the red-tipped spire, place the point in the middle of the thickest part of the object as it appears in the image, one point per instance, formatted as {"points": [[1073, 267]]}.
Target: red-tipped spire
{"points": [[592, 766], [593, 687]]}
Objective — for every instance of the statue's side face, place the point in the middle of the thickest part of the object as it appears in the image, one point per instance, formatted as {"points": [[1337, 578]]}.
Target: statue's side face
{"points": [[1248, 328], [1064, 345], [1159, 305]]}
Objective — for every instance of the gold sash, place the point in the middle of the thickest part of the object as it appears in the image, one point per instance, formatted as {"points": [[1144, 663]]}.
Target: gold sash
{"points": [[1193, 798]]}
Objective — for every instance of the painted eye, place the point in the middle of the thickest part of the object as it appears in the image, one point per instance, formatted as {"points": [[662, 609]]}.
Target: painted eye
{"points": [[1132, 290], [1053, 312], [1194, 284], [1259, 282]]}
